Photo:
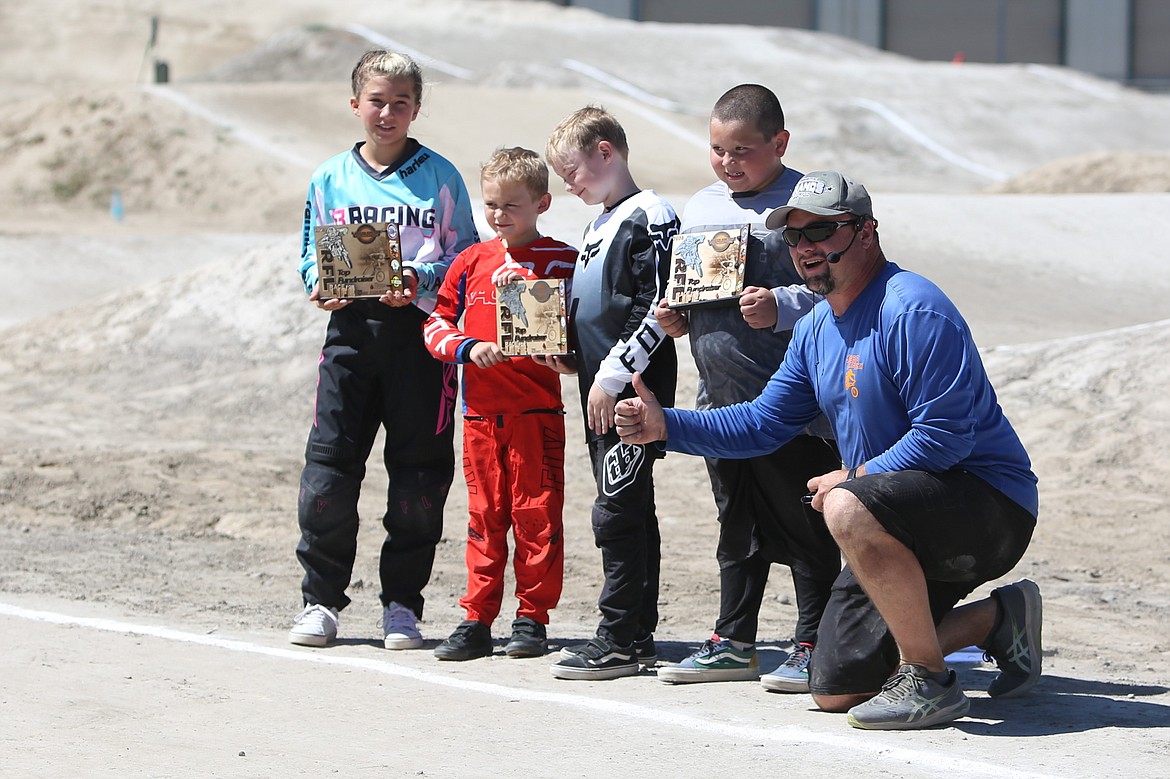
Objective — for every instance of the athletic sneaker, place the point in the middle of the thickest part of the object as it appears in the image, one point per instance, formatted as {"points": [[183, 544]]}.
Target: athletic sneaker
{"points": [[716, 661], [792, 675], [644, 650], [599, 659], [910, 700], [400, 627], [1015, 644], [316, 625], [468, 641], [529, 639]]}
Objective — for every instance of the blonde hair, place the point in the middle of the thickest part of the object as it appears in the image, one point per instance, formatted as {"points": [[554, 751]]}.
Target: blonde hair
{"points": [[582, 130], [517, 165], [379, 63]]}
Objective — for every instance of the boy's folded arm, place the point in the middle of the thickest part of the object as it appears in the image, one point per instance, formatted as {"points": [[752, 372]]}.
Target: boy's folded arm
{"points": [[792, 302], [445, 341], [463, 351], [630, 355]]}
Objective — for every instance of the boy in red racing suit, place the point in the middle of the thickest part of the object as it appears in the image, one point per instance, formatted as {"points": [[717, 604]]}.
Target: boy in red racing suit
{"points": [[513, 423]]}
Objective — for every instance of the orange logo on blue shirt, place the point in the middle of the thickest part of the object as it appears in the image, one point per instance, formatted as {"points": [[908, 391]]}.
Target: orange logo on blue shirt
{"points": [[853, 364]]}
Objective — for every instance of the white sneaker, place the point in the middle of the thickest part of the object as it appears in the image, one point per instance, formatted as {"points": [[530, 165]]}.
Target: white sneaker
{"points": [[400, 626], [316, 625]]}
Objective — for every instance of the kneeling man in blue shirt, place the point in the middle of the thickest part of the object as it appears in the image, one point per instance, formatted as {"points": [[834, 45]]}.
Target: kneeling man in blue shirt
{"points": [[937, 496]]}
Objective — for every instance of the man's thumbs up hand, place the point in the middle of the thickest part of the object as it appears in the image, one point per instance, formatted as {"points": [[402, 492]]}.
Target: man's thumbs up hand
{"points": [[640, 420]]}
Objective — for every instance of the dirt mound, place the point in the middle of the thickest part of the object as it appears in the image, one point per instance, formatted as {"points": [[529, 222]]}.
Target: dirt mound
{"points": [[72, 153], [1103, 171], [182, 388], [202, 354]]}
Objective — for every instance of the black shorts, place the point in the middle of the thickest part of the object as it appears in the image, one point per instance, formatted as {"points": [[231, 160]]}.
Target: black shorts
{"points": [[964, 533]]}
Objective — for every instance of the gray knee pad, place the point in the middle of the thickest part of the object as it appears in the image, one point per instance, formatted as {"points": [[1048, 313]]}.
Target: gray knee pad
{"points": [[328, 497], [609, 527], [415, 510]]}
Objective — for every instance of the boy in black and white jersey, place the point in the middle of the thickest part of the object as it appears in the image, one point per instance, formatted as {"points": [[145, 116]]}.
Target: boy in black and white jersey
{"points": [[619, 276]]}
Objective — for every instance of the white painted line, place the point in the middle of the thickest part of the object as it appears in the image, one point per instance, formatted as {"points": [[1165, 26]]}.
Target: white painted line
{"points": [[663, 123], [922, 139], [250, 138], [393, 45], [880, 749], [1099, 335], [626, 88], [641, 99], [1081, 82]]}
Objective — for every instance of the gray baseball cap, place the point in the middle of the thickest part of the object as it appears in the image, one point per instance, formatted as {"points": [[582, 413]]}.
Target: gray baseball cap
{"points": [[824, 193]]}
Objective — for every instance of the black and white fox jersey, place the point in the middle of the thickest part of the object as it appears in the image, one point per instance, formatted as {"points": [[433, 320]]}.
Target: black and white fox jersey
{"points": [[619, 277]]}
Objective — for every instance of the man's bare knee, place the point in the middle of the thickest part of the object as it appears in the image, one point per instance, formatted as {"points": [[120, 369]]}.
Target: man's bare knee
{"points": [[839, 703], [846, 516]]}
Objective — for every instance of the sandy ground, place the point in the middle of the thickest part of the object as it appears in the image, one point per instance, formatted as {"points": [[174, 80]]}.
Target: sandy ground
{"points": [[157, 374]]}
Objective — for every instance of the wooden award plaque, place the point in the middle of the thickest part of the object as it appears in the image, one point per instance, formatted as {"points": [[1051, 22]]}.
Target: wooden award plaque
{"points": [[530, 317], [706, 268], [358, 261]]}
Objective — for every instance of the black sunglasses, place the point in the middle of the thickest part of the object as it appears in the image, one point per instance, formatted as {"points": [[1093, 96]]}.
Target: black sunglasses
{"points": [[815, 232]]}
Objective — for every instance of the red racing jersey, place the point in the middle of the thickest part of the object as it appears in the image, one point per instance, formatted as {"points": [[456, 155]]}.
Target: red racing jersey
{"points": [[465, 314]]}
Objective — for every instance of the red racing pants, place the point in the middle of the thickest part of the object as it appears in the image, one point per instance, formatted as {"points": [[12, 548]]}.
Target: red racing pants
{"points": [[514, 465]]}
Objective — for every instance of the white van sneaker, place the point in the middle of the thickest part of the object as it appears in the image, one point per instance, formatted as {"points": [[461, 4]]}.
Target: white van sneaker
{"points": [[400, 627], [316, 625]]}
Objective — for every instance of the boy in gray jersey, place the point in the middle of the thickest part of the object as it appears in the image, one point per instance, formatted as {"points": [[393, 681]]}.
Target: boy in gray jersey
{"points": [[737, 349]]}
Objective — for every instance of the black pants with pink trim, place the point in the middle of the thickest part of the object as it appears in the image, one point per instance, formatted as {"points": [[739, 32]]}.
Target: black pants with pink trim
{"points": [[374, 372]]}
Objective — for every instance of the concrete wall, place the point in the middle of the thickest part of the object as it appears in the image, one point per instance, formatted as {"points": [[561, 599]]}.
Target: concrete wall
{"points": [[861, 20], [984, 31], [781, 13], [1125, 40], [1151, 42], [1098, 37]]}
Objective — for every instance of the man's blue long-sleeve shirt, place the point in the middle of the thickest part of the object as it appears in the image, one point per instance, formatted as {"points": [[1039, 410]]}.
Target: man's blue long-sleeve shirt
{"points": [[901, 382]]}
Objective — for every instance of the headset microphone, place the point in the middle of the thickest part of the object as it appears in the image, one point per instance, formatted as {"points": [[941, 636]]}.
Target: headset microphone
{"points": [[833, 258]]}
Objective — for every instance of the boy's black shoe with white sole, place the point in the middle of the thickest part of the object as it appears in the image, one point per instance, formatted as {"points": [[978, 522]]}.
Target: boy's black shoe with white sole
{"points": [[598, 659], [468, 641], [529, 639]]}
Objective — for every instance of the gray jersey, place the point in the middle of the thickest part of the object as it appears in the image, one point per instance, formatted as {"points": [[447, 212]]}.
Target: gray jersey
{"points": [[735, 360]]}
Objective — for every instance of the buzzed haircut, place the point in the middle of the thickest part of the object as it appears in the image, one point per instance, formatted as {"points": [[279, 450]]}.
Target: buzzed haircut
{"points": [[516, 165], [582, 130], [751, 104], [379, 63]]}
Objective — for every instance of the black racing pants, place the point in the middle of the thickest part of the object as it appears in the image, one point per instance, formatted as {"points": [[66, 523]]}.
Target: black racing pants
{"points": [[625, 529], [763, 521], [375, 372]]}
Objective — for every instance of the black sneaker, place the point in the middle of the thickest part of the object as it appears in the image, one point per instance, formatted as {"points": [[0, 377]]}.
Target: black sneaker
{"points": [[1014, 645], [644, 650], [599, 659], [529, 639], [468, 641]]}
